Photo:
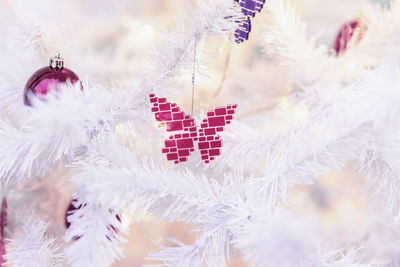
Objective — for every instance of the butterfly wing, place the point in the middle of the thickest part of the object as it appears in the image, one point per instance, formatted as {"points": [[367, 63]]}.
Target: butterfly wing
{"points": [[249, 9], [169, 116], [210, 142]]}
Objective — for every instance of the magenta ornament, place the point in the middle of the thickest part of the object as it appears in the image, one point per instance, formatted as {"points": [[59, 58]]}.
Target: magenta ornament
{"points": [[49, 78], [204, 137], [3, 224], [346, 34]]}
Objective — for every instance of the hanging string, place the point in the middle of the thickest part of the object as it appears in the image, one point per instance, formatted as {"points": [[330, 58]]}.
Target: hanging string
{"points": [[194, 71], [59, 35]]}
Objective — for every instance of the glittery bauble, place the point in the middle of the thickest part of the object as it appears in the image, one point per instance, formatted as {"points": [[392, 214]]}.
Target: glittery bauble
{"points": [[73, 206], [49, 78], [346, 34]]}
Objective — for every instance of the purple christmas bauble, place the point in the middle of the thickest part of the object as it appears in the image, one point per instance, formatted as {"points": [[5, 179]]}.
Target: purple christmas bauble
{"points": [[346, 34], [49, 78]]}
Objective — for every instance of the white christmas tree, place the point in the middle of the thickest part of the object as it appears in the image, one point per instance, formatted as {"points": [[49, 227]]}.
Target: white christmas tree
{"points": [[336, 110]]}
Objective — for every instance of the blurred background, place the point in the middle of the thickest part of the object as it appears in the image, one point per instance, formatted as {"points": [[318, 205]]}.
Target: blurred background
{"points": [[107, 42]]}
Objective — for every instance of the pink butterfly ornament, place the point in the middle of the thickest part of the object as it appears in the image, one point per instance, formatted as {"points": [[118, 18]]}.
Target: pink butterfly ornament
{"points": [[179, 146]]}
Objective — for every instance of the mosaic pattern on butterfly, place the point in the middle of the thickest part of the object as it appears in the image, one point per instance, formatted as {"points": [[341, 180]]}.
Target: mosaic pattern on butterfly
{"points": [[205, 138], [249, 9]]}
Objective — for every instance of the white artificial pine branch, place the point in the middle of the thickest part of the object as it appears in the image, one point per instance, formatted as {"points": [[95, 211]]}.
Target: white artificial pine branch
{"points": [[349, 257], [34, 247], [222, 211], [212, 18], [106, 158], [50, 131], [54, 129], [164, 193], [380, 163], [380, 159], [338, 131], [379, 41], [11, 93], [281, 239], [286, 42], [273, 239], [95, 234], [237, 211], [311, 64], [28, 41], [47, 135], [174, 53], [211, 248]]}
